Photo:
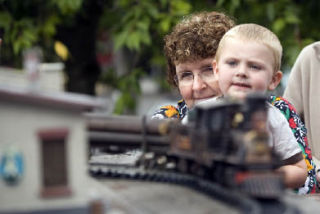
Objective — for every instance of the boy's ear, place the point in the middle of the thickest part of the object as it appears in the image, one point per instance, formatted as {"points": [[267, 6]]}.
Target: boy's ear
{"points": [[275, 80]]}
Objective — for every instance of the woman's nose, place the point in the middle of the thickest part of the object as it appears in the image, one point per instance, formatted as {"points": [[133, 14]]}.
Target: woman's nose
{"points": [[198, 83]]}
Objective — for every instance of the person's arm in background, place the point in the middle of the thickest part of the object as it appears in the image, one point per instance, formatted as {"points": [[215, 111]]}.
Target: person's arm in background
{"points": [[303, 92], [294, 89]]}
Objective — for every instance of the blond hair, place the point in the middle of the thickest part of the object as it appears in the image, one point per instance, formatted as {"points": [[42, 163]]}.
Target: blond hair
{"points": [[254, 33]]}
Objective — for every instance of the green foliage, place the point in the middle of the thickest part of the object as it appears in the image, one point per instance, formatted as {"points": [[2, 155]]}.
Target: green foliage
{"points": [[67, 6], [143, 19], [31, 22], [139, 26], [128, 87], [24, 34]]}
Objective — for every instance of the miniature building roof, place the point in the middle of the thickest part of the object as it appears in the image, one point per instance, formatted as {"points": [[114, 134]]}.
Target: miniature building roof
{"points": [[63, 100]]}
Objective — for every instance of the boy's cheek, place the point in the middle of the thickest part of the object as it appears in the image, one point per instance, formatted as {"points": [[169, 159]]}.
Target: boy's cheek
{"points": [[261, 88]]}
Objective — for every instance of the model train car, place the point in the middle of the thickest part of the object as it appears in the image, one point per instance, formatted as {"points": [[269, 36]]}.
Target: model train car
{"points": [[224, 142]]}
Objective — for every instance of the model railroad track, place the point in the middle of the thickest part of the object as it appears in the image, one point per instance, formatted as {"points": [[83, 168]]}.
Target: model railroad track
{"points": [[229, 160], [228, 196]]}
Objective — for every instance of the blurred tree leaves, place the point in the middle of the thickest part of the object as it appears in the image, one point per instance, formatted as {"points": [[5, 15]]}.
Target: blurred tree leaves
{"points": [[31, 22], [138, 28], [127, 85], [140, 22]]}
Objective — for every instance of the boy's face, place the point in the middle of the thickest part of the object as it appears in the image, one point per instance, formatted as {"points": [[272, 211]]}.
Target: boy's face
{"points": [[245, 67], [196, 81]]}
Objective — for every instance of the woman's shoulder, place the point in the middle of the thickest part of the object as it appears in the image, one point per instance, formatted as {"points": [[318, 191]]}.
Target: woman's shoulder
{"points": [[290, 113], [171, 111], [281, 103], [278, 99]]}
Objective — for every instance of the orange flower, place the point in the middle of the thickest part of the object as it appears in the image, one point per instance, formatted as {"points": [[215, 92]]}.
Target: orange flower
{"points": [[309, 166], [170, 111]]}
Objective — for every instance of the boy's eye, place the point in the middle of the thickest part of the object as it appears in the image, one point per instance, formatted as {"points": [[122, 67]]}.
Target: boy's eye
{"points": [[255, 67], [232, 63]]}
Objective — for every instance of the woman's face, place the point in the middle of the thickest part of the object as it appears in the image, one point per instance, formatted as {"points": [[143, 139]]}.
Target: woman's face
{"points": [[196, 81]]}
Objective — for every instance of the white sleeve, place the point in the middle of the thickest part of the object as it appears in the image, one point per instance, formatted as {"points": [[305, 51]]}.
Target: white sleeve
{"points": [[281, 136]]}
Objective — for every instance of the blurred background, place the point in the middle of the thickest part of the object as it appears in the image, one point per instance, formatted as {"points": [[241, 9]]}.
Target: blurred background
{"points": [[113, 49]]}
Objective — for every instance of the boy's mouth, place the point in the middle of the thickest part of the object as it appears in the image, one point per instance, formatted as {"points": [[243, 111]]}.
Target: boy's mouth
{"points": [[241, 85]]}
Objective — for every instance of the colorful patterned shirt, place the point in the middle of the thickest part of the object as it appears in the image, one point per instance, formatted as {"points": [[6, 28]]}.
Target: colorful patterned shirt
{"points": [[300, 133], [296, 125]]}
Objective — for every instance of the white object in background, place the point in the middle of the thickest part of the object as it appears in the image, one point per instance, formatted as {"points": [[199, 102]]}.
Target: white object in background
{"points": [[31, 60]]}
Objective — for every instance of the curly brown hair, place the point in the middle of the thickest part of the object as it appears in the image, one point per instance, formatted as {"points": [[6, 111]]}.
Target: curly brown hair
{"points": [[196, 37]]}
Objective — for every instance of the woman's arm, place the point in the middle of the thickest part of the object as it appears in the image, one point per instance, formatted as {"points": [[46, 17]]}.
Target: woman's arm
{"points": [[295, 174]]}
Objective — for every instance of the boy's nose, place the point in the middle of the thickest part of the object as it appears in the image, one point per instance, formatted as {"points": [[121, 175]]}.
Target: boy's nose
{"points": [[198, 83], [242, 71]]}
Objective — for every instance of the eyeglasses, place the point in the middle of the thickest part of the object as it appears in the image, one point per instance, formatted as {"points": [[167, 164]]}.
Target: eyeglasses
{"points": [[186, 78]]}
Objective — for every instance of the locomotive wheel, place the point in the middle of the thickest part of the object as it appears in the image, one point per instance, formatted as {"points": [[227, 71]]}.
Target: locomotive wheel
{"points": [[197, 169], [183, 165]]}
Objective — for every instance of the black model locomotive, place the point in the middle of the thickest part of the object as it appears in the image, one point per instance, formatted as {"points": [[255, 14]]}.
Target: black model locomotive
{"points": [[225, 142]]}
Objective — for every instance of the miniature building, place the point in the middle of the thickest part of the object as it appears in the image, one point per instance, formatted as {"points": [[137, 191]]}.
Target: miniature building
{"points": [[50, 77], [43, 150]]}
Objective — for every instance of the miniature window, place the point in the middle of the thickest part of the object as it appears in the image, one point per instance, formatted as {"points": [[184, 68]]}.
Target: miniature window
{"points": [[54, 162]]}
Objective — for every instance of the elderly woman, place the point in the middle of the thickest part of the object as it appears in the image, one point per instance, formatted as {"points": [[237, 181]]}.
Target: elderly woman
{"points": [[190, 49]]}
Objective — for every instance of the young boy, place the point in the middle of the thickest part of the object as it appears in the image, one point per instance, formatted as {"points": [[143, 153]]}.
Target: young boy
{"points": [[248, 60]]}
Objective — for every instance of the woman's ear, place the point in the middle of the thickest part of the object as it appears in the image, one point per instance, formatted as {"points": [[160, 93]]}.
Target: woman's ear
{"points": [[275, 80]]}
